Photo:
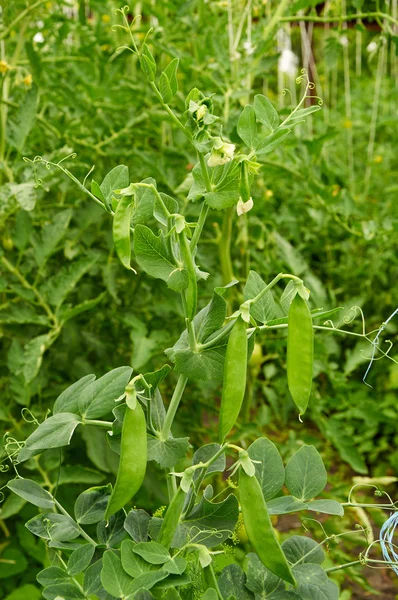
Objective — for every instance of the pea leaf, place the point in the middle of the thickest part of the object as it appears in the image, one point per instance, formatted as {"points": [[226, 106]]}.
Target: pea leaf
{"points": [[91, 504], [304, 549], [80, 559], [169, 452], [132, 563], [32, 492], [232, 583], [247, 128], [153, 257], [313, 583], [54, 432], [121, 230], [259, 579], [171, 72], [57, 288], [53, 526], [272, 141], [116, 179], [152, 552], [68, 400], [264, 310], [329, 507], [285, 505], [306, 475], [51, 235], [66, 591], [265, 112], [98, 398], [136, 524], [113, 577], [270, 471]]}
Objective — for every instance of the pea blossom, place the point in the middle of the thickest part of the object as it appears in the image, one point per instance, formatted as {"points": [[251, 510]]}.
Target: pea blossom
{"points": [[222, 152]]}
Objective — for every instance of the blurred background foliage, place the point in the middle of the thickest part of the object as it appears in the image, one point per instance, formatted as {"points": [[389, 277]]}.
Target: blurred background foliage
{"points": [[324, 209]]}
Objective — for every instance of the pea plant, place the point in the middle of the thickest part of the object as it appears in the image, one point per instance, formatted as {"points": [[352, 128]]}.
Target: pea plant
{"points": [[109, 548]]}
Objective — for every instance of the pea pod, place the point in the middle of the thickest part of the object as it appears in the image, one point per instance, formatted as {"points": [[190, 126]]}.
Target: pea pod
{"points": [[121, 229], [259, 528], [171, 519], [234, 384], [133, 459], [300, 352]]}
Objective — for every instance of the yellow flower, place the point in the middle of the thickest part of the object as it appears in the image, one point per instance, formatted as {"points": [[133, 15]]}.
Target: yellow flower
{"points": [[269, 194], [105, 18], [347, 124], [3, 66], [335, 191], [28, 80], [378, 159]]}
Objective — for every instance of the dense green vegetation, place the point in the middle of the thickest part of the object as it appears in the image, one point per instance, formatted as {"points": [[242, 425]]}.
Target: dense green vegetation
{"points": [[81, 118]]}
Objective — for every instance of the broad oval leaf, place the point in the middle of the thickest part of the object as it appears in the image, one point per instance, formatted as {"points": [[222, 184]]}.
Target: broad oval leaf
{"points": [[54, 432], [306, 475], [32, 492]]}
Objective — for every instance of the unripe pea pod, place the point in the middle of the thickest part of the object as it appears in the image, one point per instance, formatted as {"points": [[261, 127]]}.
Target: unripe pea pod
{"points": [[234, 383], [300, 352], [172, 518], [259, 528], [133, 460]]}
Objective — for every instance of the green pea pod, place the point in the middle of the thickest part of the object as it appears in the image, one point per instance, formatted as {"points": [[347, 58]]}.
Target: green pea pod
{"points": [[259, 528], [300, 352], [171, 519], [234, 384], [133, 460], [121, 229]]}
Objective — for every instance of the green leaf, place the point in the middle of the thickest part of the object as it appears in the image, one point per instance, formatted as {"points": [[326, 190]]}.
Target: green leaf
{"points": [[13, 562], [204, 454], [96, 190], [52, 575], [54, 432], [232, 583], [306, 475], [153, 257], [259, 579], [171, 72], [66, 591], [80, 559], [21, 126], [145, 200], [132, 563], [265, 112], [136, 524], [92, 580], [113, 577], [302, 113], [52, 234], [313, 583], [116, 179], [91, 504], [270, 471], [152, 552], [299, 548], [175, 565], [68, 400], [111, 532], [272, 141], [25, 591], [121, 230], [264, 310], [33, 356], [165, 88], [52, 526], [285, 505], [169, 452], [247, 128], [148, 63], [32, 492], [11, 506], [57, 288], [25, 194], [98, 398], [22, 314], [78, 309], [78, 474], [329, 507]]}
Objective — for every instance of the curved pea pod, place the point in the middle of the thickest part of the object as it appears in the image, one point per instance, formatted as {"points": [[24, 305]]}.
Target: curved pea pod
{"points": [[300, 352], [171, 519], [259, 528], [234, 384], [133, 460], [121, 229]]}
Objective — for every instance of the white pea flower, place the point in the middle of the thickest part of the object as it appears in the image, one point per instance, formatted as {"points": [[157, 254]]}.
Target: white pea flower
{"points": [[243, 207], [38, 37], [222, 152], [288, 62]]}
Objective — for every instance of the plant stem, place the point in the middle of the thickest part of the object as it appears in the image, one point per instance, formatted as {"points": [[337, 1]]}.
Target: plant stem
{"points": [[341, 18], [345, 566], [96, 423], [21, 16], [173, 407], [82, 532], [199, 228]]}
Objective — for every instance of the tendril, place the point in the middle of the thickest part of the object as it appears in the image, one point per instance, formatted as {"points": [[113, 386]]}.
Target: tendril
{"points": [[26, 413]]}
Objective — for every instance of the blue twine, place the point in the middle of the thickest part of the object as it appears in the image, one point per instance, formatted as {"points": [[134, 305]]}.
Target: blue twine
{"points": [[374, 344], [386, 543]]}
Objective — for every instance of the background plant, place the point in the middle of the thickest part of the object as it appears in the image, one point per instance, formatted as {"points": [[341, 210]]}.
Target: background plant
{"points": [[332, 210]]}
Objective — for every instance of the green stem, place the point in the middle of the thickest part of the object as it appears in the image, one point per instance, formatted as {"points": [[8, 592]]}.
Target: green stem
{"points": [[82, 532], [192, 290], [96, 423], [341, 18], [199, 228], [205, 172], [345, 566], [21, 16], [173, 407], [272, 26], [272, 284], [170, 112]]}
